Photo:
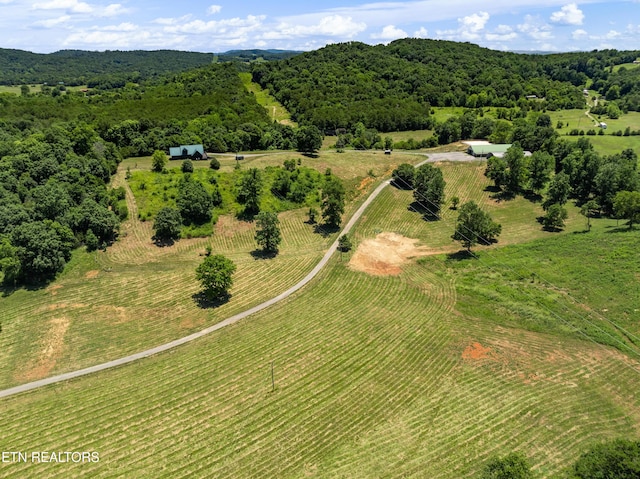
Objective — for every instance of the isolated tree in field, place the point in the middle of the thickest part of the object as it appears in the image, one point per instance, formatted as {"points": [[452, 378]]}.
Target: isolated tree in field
{"points": [[333, 194], [455, 201], [512, 466], [167, 224], [215, 274], [403, 176], [619, 459], [268, 234], [214, 164], [554, 217], [475, 226], [558, 192], [158, 161], [187, 166], [626, 205], [308, 139], [429, 188], [250, 190], [587, 210], [344, 243]]}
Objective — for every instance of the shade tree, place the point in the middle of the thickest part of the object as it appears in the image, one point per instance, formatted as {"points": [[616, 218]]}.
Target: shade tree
{"points": [[475, 226], [215, 274]]}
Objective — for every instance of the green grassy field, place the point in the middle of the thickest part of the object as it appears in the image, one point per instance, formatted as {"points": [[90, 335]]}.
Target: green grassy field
{"points": [[137, 295], [605, 144], [33, 88], [375, 376], [277, 112]]}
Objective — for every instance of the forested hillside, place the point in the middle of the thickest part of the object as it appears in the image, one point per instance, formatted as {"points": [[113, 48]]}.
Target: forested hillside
{"points": [[76, 67], [392, 87]]}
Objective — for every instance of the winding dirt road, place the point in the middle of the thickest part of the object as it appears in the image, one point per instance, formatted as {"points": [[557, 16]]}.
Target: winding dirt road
{"points": [[432, 158]]}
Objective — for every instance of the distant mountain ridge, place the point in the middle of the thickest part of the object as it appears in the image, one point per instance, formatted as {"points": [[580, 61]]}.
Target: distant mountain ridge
{"points": [[80, 67]]}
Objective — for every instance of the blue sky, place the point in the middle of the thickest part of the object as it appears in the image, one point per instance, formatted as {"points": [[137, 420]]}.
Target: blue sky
{"points": [[216, 26]]}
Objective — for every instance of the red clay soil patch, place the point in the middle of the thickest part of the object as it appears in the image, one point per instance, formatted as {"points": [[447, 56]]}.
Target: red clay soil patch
{"points": [[477, 351], [385, 254], [92, 274], [51, 349], [364, 184]]}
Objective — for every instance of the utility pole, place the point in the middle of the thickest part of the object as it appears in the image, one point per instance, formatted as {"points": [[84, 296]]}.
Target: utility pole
{"points": [[273, 384]]}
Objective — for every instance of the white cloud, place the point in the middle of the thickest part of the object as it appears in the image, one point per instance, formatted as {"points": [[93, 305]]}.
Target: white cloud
{"points": [[422, 33], [469, 28], [52, 22], [474, 23], [389, 33], [503, 33], [568, 15], [213, 9], [536, 29], [172, 21], [233, 32], [331, 26], [579, 34], [73, 6], [112, 10]]}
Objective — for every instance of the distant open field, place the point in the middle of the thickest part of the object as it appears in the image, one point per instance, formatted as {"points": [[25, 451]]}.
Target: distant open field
{"points": [[605, 144], [423, 369], [33, 88]]}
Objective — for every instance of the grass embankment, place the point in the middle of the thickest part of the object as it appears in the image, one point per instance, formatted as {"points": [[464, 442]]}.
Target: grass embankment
{"points": [[374, 376]]}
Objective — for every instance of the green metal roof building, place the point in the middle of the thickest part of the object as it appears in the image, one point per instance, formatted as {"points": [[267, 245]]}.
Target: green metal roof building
{"points": [[489, 150]]}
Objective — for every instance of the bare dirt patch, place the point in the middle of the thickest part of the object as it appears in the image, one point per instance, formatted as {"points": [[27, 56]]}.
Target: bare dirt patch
{"points": [[51, 349], [476, 351], [92, 274], [386, 253]]}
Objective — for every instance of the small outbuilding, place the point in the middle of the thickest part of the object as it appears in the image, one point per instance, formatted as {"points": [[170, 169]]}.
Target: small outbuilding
{"points": [[184, 152]]}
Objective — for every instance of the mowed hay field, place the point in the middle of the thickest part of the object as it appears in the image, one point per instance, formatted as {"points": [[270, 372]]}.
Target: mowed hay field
{"points": [[375, 376], [393, 375], [137, 295]]}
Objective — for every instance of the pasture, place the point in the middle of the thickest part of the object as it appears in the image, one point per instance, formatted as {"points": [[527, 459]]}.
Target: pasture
{"points": [[402, 374], [136, 295]]}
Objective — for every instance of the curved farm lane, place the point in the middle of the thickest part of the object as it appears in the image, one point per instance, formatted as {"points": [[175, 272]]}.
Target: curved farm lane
{"points": [[434, 157]]}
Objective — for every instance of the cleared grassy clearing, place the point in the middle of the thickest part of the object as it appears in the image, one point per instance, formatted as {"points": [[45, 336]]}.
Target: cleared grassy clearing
{"points": [[277, 112], [374, 377], [393, 212]]}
